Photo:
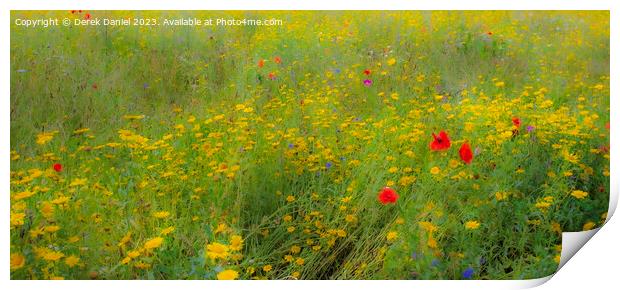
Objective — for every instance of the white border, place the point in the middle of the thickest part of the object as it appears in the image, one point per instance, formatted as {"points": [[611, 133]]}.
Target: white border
{"points": [[611, 229]]}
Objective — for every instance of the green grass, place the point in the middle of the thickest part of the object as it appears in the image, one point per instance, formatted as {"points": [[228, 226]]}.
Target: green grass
{"points": [[298, 160]]}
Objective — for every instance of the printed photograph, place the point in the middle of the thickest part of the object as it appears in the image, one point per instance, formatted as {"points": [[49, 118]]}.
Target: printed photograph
{"points": [[305, 145]]}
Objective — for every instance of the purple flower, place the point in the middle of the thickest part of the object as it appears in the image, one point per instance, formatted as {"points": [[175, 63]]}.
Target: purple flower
{"points": [[477, 151], [328, 165], [291, 146], [145, 85], [530, 128], [468, 273], [367, 82]]}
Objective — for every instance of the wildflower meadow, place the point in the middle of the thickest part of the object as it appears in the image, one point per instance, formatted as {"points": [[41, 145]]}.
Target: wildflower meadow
{"points": [[324, 145]]}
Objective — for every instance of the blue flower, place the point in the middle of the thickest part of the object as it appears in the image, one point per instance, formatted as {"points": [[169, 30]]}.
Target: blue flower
{"points": [[291, 146], [468, 273], [328, 165]]}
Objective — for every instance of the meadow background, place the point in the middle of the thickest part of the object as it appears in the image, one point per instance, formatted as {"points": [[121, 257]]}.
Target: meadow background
{"points": [[259, 152]]}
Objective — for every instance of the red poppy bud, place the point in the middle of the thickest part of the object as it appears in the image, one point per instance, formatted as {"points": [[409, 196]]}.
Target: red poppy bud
{"points": [[388, 195], [516, 121], [441, 142], [465, 153]]}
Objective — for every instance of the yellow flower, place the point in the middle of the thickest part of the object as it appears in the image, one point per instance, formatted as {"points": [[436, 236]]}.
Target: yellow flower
{"points": [[295, 249], [60, 200], [290, 198], [51, 229], [578, 194], [133, 117], [71, 261], [227, 275], [588, 226], [267, 268], [299, 261], [236, 243], [217, 251], [472, 225], [350, 218], [435, 170], [125, 239], [501, 195], [78, 182], [133, 254], [161, 214], [23, 194], [431, 243], [391, 236], [167, 230], [45, 137], [53, 256], [543, 205], [80, 131], [17, 261], [142, 265], [341, 233], [428, 226], [153, 243], [391, 61], [17, 218], [220, 228]]}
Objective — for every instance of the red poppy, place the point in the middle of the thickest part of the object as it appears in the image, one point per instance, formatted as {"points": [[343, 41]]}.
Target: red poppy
{"points": [[277, 59], [516, 121], [490, 33], [388, 195], [87, 16], [261, 62], [441, 142], [72, 11], [272, 76], [607, 126], [465, 153], [95, 86], [367, 72], [57, 167]]}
